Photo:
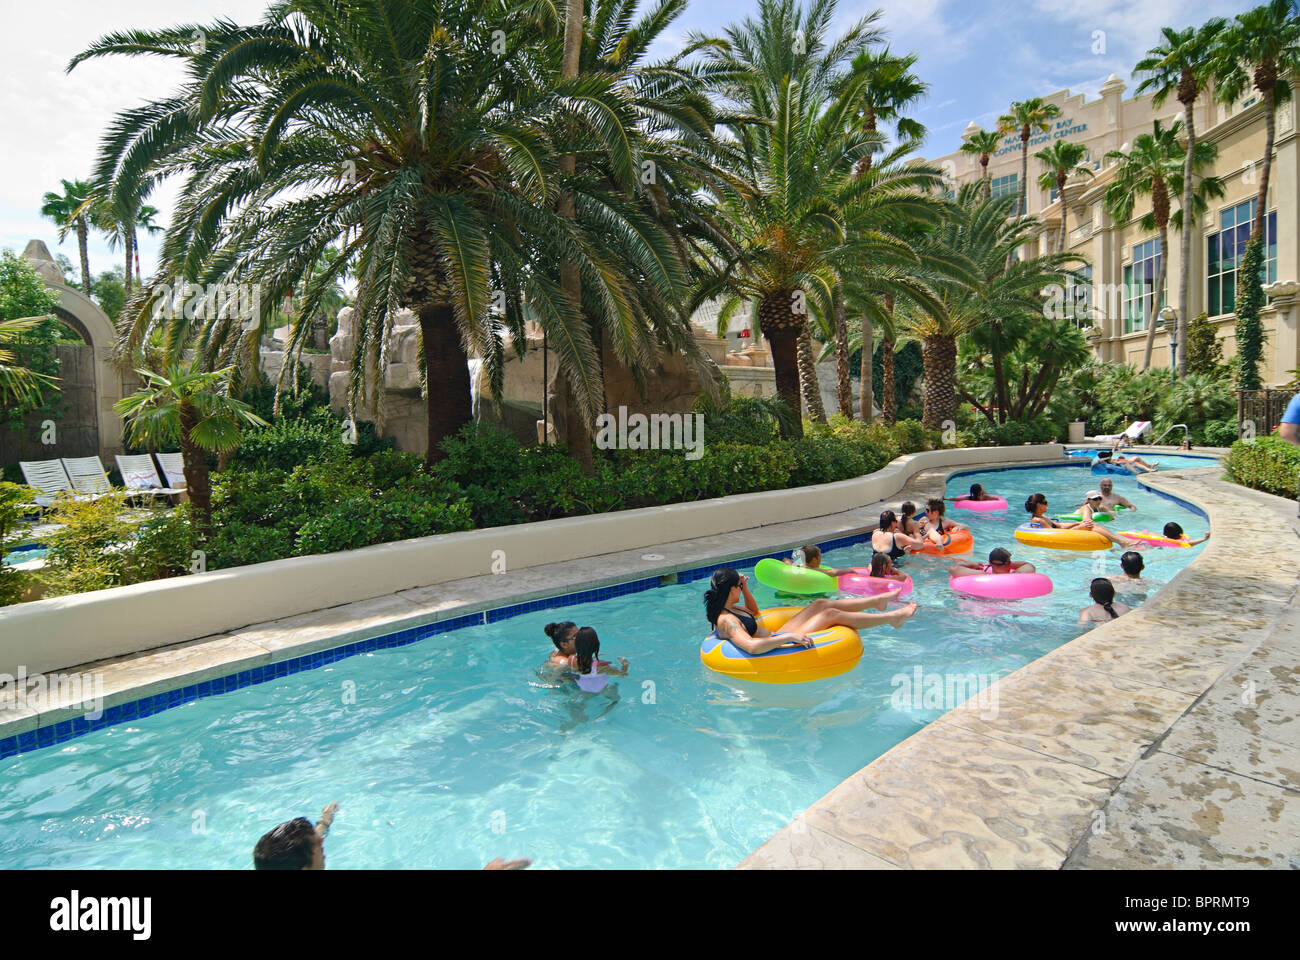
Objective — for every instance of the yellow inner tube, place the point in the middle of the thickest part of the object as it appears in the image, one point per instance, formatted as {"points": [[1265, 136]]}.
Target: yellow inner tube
{"points": [[1058, 539], [837, 650]]}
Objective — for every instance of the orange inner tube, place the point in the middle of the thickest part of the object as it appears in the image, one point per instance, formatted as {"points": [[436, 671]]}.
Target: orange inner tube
{"points": [[961, 542]]}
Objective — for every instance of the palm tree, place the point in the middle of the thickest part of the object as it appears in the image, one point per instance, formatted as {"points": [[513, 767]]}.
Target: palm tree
{"points": [[194, 408], [144, 220], [1063, 160], [433, 162], [983, 144], [18, 384], [1182, 66], [1027, 117], [1154, 168], [67, 211]]}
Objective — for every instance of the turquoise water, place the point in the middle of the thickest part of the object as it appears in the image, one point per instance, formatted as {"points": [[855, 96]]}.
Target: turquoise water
{"points": [[453, 750]]}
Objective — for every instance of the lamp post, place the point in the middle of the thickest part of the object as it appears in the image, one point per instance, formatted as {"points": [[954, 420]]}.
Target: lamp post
{"points": [[1170, 316]]}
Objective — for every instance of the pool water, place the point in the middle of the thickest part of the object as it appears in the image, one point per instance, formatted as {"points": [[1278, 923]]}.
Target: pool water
{"points": [[455, 750]]}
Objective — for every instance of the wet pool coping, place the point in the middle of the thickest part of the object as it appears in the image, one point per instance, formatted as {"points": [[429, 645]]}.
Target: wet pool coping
{"points": [[1168, 738], [144, 683]]}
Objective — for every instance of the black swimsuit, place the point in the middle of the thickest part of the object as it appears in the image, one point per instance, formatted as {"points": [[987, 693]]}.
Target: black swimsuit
{"points": [[746, 621], [895, 552]]}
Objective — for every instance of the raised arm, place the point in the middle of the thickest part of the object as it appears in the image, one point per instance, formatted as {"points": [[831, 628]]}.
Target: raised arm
{"points": [[750, 603]]}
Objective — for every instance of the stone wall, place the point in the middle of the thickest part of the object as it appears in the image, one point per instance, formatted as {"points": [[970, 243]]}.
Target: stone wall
{"points": [[76, 429]]}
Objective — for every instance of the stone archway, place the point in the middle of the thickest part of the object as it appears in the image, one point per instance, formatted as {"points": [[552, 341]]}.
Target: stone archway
{"points": [[83, 316]]}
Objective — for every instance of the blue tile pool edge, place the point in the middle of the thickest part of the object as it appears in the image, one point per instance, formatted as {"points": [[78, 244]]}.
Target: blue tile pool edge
{"points": [[61, 731]]}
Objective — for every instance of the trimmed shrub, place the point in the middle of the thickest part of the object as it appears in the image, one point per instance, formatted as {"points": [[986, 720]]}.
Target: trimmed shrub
{"points": [[1265, 463], [1219, 433], [825, 459]]}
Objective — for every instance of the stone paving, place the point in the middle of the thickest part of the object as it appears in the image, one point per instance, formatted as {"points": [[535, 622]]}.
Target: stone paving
{"points": [[1167, 738]]}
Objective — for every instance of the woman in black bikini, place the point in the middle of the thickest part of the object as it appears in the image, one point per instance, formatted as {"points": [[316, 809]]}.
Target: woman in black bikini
{"points": [[741, 627], [890, 540]]}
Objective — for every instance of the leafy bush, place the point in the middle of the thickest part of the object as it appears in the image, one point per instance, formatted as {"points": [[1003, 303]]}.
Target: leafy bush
{"points": [[162, 546], [1013, 433], [12, 498], [751, 421], [1219, 433], [1265, 463], [912, 437], [825, 459], [90, 548], [287, 443]]}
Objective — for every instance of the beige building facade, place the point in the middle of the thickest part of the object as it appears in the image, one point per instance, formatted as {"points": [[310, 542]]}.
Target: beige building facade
{"points": [[1125, 260]]}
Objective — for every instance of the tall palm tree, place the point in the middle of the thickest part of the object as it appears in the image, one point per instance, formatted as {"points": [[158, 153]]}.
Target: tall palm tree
{"points": [[1027, 117], [67, 210], [146, 220], [195, 409], [1154, 168], [402, 132], [1182, 65], [1062, 161], [983, 144]]}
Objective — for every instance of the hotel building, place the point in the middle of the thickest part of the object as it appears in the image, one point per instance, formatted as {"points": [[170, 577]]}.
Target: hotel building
{"points": [[1125, 260]]}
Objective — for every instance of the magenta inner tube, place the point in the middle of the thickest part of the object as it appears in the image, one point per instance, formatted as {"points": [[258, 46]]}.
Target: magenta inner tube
{"points": [[861, 582], [981, 506], [1003, 586]]}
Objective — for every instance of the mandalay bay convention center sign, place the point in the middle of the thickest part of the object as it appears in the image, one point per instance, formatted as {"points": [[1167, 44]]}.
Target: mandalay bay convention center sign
{"points": [[1061, 130]]}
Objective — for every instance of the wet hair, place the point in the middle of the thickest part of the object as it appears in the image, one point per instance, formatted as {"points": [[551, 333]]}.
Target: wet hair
{"points": [[1034, 500], [1104, 454], [999, 557], [880, 564], [976, 490], [1132, 563], [290, 846], [715, 598], [1103, 592], [812, 555], [559, 632], [908, 510], [887, 520], [934, 503], [1173, 531], [586, 646]]}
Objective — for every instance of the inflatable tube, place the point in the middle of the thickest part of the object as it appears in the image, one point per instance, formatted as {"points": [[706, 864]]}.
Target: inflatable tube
{"points": [[1155, 539], [861, 582], [1003, 586], [961, 542], [836, 651], [791, 579], [1103, 466], [981, 506], [1033, 535], [1100, 516]]}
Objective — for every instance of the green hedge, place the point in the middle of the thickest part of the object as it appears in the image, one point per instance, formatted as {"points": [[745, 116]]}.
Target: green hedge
{"points": [[1265, 463]]}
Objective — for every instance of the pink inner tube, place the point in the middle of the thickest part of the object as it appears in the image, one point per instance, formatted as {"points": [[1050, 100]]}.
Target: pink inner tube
{"points": [[863, 584], [1003, 586], [981, 506]]}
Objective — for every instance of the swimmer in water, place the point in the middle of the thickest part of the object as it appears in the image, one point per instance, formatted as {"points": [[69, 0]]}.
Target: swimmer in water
{"points": [[592, 672], [812, 560], [1036, 507], [977, 494], [1104, 606], [999, 562], [1131, 565], [938, 529], [882, 568], [563, 635], [1174, 531], [889, 539], [1111, 499], [741, 626]]}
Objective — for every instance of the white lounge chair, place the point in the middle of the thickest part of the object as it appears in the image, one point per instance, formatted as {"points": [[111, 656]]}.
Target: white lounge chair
{"points": [[139, 475], [48, 477], [172, 468], [88, 475], [1132, 434]]}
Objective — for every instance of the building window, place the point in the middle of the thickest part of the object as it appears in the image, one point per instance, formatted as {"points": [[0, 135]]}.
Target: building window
{"points": [[1228, 246], [1140, 285], [1079, 298], [1010, 184]]}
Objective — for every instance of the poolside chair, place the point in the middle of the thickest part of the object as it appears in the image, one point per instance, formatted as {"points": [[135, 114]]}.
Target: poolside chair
{"points": [[48, 477], [172, 468], [88, 475], [140, 476], [1132, 434]]}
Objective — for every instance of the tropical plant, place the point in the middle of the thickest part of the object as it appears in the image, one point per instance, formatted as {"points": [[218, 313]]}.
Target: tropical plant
{"points": [[1204, 348], [983, 144], [193, 408], [1154, 167], [1063, 160], [28, 332], [1182, 65], [1026, 118], [68, 211]]}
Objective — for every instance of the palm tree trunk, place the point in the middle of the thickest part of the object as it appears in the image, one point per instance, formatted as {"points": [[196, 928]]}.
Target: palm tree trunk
{"points": [[1270, 134], [1155, 296], [939, 359], [1024, 174], [1060, 195], [843, 382], [85, 254], [784, 344], [888, 386], [128, 241], [1189, 223], [984, 177], [447, 388], [198, 487], [866, 402], [812, 393]]}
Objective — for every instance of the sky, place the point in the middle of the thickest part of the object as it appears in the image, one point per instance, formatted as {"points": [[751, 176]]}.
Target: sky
{"points": [[977, 56]]}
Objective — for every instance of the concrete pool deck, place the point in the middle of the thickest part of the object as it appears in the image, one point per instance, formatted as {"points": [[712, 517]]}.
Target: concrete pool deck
{"points": [[1167, 738]]}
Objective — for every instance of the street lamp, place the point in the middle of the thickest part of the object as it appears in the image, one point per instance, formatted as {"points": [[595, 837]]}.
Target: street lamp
{"points": [[1170, 316]]}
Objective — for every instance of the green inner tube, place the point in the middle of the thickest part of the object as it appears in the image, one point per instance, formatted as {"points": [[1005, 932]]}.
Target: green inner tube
{"points": [[792, 579], [1078, 516]]}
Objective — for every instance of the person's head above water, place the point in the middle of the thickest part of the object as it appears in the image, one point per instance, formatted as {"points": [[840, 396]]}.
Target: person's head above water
{"points": [[881, 565], [293, 845], [718, 595], [1132, 563], [887, 521], [999, 557], [812, 555], [1107, 485], [587, 645], [908, 508], [934, 505], [1173, 531], [1035, 501], [1102, 591], [1103, 454], [562, 635], [1093, 497], [976, 491]]}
